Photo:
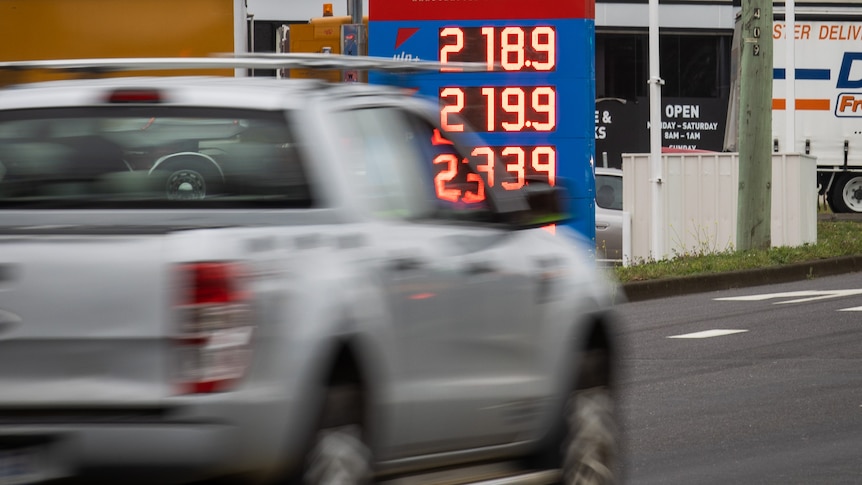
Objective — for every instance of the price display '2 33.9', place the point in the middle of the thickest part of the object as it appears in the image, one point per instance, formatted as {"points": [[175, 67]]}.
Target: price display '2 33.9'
{"points": [[520, 163]]}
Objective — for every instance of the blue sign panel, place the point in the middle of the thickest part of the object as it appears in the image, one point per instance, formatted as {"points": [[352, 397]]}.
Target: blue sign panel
{"points": [[534, 107]]}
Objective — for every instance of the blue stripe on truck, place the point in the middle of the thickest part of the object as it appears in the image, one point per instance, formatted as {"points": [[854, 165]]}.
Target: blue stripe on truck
{"points": [[804, 74]]}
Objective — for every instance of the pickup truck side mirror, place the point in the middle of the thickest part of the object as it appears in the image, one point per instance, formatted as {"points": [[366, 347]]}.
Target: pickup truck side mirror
{"points": [[546, 204]]}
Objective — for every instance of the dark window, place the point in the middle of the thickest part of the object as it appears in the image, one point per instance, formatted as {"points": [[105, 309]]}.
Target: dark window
{"points": [[609, 192], [622, 64], [150, 157], [692, 65]]}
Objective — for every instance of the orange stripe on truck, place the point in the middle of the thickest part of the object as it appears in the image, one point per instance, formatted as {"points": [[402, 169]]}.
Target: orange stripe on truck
{"points": [[803, 104]]}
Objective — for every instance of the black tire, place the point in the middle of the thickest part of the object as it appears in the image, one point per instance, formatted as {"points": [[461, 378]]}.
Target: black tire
{"points": [[338, 452], [590, 448], [846, 194], [583, 444], [830, 201]]}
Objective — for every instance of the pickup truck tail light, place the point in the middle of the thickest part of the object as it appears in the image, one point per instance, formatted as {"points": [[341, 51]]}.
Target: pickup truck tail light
{"points": [[135, 96], [215, 327]]}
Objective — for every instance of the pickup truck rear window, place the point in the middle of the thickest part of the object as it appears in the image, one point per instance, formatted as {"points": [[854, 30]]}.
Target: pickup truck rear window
{"points": [[141, 156]]}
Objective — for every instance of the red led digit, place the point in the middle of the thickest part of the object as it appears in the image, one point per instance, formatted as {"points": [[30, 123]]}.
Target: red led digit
{"points": [[488, 166], [471, 197], [518, 108], [490, 103], [543, 39], [488, 32], [545, 101], [517, 168], [512, 42], [450, 108], [448, 49], [544, 160], [437, 139], [445, 176]]}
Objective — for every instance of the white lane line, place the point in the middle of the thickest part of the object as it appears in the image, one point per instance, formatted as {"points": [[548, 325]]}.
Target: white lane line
{"points": [[767, 296], [800, 296], [854, 309], [709, 333]]}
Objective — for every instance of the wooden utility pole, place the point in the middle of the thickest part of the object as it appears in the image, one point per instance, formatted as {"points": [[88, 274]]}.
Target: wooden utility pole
{"points": [[754, 211]]}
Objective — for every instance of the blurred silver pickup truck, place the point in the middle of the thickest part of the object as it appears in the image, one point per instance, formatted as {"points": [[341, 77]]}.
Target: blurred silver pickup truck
{"points": [[266, 279]]}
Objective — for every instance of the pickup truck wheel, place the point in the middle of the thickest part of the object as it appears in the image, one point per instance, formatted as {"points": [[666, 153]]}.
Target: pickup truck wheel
{"points": [[590, 447], [339, 453], [846, 193]]}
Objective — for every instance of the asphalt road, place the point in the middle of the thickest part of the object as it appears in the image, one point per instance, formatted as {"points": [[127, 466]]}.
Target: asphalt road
{"points": [[777, 402]]}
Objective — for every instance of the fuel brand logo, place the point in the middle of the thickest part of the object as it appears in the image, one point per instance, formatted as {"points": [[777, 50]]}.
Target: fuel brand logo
{"points": [[404, 34]]}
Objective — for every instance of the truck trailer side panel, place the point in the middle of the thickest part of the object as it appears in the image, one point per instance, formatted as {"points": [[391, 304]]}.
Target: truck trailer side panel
{"points": [[828, 55], [828, 101]]}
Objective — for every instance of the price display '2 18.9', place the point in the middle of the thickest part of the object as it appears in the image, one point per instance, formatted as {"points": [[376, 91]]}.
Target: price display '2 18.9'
{"points": [[514, 48]]}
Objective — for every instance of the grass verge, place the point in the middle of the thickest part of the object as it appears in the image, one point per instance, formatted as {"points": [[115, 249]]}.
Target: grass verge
{"points": [[834, 239]]}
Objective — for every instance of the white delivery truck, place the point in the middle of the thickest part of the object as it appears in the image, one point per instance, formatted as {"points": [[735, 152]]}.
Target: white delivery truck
{"points": [[828, 98]]}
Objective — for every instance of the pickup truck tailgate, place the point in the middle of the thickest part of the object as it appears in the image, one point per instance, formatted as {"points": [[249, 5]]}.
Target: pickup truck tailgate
{"points": [[84, 319]]}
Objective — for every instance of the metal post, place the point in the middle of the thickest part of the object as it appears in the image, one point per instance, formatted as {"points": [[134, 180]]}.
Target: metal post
{"points": [[250, 23], [357, 35], [655, 81], [790, 77], [354, 9]]}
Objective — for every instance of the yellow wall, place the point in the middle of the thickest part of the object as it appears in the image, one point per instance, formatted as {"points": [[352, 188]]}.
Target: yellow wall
{"points": [[76, 29]]}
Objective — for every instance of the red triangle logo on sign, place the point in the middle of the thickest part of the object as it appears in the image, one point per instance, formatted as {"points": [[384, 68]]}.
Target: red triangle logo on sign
{"points": [[404, 34]]}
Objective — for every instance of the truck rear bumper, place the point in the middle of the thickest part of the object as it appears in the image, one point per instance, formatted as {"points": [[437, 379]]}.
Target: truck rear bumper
{"points": [[130, 453], [254, 432]]}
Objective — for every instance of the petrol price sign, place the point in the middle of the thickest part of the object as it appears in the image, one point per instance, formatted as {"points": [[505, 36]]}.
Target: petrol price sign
{"points": [[534, 105]]}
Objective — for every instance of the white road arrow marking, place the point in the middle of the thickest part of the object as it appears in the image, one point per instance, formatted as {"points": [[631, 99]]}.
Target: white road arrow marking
{"points": [[854, 309], [798, 296], [709, 333]]}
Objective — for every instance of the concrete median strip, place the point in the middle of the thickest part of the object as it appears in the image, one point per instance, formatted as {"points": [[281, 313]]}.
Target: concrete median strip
{"points": [[663, 288]]}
